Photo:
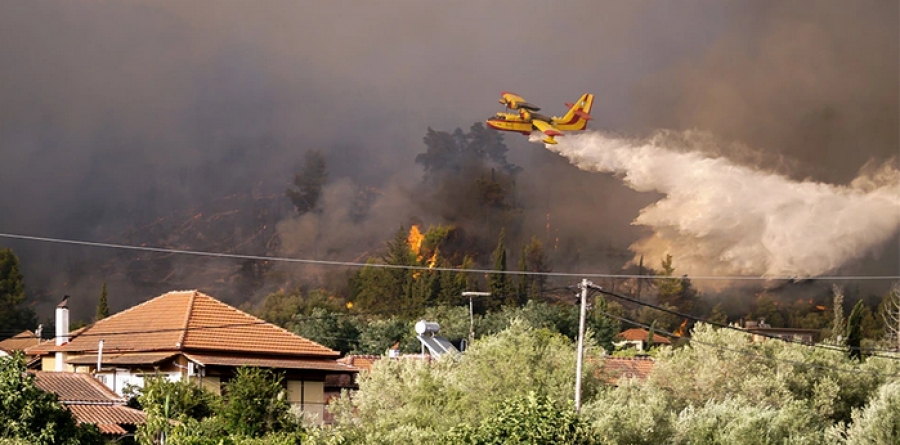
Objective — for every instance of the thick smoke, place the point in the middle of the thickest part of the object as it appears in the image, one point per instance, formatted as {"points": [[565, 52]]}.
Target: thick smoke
{"points": [[721, 218]]}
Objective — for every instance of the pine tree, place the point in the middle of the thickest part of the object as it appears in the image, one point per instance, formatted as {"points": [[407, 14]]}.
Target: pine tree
{"points": [[676, 292], [13, 317], [651, 334], [500, 283], [854, 331], [524, 280], [380, 288], [103, 306], [536, 261]]}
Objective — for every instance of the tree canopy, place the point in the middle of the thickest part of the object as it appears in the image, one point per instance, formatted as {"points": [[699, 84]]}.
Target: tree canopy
{"points": [[14, 317]]}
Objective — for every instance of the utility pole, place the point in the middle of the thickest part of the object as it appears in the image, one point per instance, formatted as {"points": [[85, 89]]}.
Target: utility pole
{"points": [[585, 284], [472, 312]]}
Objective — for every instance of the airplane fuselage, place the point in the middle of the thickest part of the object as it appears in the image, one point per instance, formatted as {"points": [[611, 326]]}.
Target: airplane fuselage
{"points": [[510, 122]]}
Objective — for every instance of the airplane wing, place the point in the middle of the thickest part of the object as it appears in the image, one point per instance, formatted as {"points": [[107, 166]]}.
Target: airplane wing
{"points": [[546, 128], [515, 102]]}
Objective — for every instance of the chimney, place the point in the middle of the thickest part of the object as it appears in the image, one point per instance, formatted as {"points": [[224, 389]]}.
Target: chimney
{"points": [[62, 322], [62, 332]]}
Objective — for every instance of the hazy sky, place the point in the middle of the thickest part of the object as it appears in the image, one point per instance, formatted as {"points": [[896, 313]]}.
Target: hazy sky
{"points": [[112, 113]]}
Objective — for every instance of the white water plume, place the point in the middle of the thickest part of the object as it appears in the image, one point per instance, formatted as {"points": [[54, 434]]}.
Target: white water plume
{"points": [[720, 218]]}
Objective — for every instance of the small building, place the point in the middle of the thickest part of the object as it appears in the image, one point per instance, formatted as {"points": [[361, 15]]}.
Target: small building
{"points": [[19, 342], [762, 331], [190, 336], [637, 338], [92, 402]]}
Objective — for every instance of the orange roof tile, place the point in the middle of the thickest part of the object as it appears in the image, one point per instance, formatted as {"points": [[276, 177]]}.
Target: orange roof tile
{"points": [[75, 388], [363, 362], [90, 401], [20, 342], [108, 418], [637, 334], [190, 320], [615, 368]]}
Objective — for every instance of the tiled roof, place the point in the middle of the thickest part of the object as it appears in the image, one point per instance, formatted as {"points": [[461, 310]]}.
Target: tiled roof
{"points": [[637, 334], [90, 401], [75, 388], [362, 362], [615, 368], [270, 362], [108, 418], [190, 320], [20, 342]]}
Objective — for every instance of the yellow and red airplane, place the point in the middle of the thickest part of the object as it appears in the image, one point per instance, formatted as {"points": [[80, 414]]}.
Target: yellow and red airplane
{"points": [[528, 119]]}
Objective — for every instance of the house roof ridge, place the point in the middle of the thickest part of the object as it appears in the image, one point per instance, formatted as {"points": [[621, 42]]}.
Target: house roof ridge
{"points": [[629, 358], [187, 319], [126, 311]]}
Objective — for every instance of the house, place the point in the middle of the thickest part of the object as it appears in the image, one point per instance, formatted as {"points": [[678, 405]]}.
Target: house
{"points": [[19, 342], [617, 368], [762, 331], [92, 402], [190, 336], [637, 338]]}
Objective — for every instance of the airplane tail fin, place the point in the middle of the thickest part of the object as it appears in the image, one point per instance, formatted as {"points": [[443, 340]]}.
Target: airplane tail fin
{"points": [[578, 116]]}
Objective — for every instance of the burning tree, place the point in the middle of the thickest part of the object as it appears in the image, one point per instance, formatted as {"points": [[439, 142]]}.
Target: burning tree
{"points": [[408, 287]]}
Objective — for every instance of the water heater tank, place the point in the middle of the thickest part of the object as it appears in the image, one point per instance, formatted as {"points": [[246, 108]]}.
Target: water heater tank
{"points": [[423, 326]]}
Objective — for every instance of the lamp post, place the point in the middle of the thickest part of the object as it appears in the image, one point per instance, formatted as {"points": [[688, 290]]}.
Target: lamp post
{"points": [[472, 311]]}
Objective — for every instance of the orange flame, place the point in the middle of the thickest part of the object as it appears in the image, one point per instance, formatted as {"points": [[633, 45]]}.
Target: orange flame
{"points": [[681, 328], [415, 239], [433, 260], [821, 308]]}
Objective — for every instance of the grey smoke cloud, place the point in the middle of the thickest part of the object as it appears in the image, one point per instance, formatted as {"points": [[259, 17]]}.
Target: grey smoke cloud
{"points": [[113, 115]]}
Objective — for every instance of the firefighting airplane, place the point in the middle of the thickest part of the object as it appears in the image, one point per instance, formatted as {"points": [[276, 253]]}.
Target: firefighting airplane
{"points": [[528, 119]]}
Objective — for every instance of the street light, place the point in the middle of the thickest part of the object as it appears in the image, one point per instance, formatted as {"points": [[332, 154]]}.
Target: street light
{"points": [[472, 311]]}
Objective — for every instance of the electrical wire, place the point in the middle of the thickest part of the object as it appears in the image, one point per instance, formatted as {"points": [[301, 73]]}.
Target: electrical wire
{"points": [[746, 353], [868, 351], [421, 268]]}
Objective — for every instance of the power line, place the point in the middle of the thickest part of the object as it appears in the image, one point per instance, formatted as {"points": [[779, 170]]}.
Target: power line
{"points": [[419, 268], [746, 353], [867, 351]]}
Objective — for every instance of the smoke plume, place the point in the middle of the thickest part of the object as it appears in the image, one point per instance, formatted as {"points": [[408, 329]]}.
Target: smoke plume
{"points": [[721, 218]]}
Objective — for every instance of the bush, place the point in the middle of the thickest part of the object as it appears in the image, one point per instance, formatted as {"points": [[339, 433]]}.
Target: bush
{"points": [[529, 419], [879, 422]]}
